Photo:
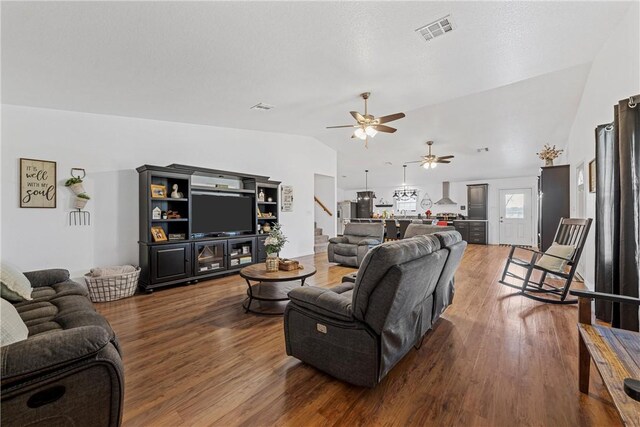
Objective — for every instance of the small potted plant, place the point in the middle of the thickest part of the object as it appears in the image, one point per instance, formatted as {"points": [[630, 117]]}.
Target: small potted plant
{"points": [[75, 184], [273, 245], [549, 154], [81, 200]]}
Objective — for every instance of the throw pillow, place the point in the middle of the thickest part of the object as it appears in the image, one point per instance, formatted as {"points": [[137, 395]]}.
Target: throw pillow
{"points": [[12, 327], [15, 285], [551, 262]]}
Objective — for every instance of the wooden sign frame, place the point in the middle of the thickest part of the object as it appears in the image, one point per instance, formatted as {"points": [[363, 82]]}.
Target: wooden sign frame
{"points": [[35, 175]]}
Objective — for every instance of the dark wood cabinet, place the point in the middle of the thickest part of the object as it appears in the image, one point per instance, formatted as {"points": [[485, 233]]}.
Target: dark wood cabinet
{"points": [[170, 262], [187, 256], [463, 228], [261, 250], [554, 198], [472, 231], [209, 257], [477, 200]]}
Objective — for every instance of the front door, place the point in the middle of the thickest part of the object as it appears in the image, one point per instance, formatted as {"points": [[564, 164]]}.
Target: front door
{"points": [[516, 221]]}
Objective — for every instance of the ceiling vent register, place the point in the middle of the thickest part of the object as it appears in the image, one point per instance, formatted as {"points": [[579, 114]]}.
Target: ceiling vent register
{"points": [[436, 28]]}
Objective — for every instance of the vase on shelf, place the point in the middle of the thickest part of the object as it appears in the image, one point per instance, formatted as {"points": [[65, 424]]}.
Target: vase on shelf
{"points": [[548, 162], [273, 262]]}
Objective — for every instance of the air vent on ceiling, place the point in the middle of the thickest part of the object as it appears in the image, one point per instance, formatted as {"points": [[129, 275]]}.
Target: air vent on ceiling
{"points": [[262, 107], [436, 28], [482, 150]]}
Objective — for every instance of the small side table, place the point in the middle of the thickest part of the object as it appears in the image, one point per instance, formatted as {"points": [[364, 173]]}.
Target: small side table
{"points": [[272, 286]]}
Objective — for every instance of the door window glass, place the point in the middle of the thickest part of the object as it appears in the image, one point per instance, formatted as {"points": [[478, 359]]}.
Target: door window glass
{"points": [[514, 206]]}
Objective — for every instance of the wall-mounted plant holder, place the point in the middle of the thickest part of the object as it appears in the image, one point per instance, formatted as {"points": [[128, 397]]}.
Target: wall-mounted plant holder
{"points": [[79, 216]]}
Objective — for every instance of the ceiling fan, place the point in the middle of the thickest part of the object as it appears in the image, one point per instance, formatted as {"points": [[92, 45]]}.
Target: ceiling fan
{"points": [[430, 161], [368, 125]]}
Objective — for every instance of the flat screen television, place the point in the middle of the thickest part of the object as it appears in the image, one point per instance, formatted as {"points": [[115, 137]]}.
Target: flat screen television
{"points": [[213, 213]]}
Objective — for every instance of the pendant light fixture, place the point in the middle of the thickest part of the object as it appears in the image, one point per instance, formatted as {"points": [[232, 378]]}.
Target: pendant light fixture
{"points": [[405, 193], [366, 188]]}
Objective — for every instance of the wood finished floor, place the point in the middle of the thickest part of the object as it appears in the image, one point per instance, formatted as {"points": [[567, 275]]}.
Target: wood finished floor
{"points": [[193, 357]]}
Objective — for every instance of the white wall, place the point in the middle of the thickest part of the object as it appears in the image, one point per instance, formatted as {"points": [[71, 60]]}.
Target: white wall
{"points": [[325, 190], [458, 193], [614, 75], [110, 148]]}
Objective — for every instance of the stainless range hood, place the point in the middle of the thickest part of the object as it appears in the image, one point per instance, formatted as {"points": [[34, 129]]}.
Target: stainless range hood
{"points": [[445, 195]]}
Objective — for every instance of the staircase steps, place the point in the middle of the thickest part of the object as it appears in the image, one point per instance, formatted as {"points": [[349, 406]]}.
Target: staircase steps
{"points": [[321, 241]]}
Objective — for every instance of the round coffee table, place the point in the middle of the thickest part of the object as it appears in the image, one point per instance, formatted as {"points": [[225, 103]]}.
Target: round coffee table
{"points": [[273, 286]]}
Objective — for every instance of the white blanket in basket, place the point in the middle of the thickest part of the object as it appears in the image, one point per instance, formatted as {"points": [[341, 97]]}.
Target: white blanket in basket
{"points": [[111, 271]]}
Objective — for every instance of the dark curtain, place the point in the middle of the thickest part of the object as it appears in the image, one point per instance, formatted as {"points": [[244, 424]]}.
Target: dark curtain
{"points": [[618, 213]]}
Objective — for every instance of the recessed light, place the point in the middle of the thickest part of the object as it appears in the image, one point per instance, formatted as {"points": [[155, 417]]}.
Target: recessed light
{"points": [[262, 107]]}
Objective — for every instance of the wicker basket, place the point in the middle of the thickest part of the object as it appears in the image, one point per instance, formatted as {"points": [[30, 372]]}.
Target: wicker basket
{"points": [[111, 288], [289, 265]]}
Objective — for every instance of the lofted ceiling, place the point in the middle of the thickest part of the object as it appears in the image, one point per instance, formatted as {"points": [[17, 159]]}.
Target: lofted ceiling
{"points": [[509, 77]]}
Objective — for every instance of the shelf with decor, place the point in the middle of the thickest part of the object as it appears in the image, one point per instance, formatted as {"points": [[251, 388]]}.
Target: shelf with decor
{"points": [[268, 193], [210, 229]]}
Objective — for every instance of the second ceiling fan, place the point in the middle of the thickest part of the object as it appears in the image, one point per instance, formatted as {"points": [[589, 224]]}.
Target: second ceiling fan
{"points": [[430, 161], [369, 125]]}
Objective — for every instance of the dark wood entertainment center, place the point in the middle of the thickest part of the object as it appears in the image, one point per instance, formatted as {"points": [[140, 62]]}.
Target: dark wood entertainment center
{"points": [[187, 257]]}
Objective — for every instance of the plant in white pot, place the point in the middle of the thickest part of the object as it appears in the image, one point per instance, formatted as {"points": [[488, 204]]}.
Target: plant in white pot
{"points": [[273, 245], [75, 184], [81, 200]]}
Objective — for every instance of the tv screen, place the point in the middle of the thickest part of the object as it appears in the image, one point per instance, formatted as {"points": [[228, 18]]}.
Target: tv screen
{"points": [[221, 214]]}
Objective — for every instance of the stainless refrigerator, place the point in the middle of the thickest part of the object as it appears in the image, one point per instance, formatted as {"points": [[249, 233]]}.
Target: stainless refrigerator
{"points": [[346, 211]]}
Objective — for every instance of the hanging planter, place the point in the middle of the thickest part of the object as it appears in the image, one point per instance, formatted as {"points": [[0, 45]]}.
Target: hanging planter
{"points": [[81, 201], [75, 184]]}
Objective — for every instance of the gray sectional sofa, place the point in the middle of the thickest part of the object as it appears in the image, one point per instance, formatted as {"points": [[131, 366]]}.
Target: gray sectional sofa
{"points": [[357, 332], [68, 372], [350, 248]]}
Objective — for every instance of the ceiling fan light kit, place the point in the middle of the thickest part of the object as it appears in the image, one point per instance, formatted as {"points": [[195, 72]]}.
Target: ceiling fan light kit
{"points": [[430, 161], [368, 126]]}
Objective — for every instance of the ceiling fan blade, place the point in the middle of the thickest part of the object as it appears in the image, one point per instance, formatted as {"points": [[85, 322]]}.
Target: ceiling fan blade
{"points": [[390, 118], [357, 116], [384, 128], [442, 161], [342, 126], [446, 157]]}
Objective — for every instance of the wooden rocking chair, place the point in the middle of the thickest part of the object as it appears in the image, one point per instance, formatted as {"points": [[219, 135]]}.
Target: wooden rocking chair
{"points": [[571, 232]]}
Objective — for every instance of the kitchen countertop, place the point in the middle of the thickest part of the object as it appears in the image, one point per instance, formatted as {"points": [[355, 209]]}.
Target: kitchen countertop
{"points": [[472, 220]]}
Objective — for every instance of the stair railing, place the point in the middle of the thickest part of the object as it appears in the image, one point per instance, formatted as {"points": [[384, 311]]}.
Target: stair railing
{"points": [[322, 205]]}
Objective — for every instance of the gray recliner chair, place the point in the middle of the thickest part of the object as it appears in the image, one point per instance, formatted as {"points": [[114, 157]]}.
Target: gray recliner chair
{"points": [[357, 332], [415, 229], [350, 248]]}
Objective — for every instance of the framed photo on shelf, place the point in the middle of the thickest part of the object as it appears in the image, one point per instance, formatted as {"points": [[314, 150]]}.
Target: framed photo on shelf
{"points": [[592, 176], [158, 191], [158, 235]]}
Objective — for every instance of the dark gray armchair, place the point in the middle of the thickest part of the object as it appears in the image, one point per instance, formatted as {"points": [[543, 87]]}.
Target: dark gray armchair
{"points": [[350, 248], [357, 332]]}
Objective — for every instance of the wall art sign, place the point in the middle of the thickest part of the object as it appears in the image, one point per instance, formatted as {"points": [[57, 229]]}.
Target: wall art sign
{"points": [[287, 198], [37, 183]]}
